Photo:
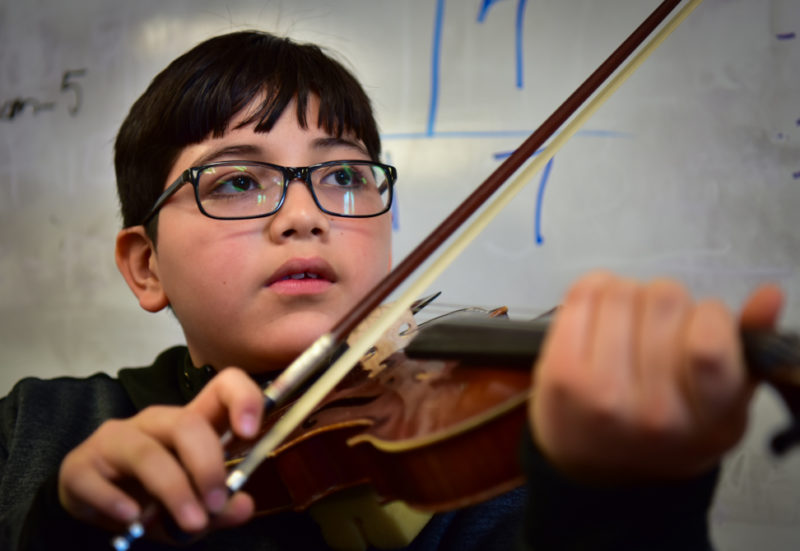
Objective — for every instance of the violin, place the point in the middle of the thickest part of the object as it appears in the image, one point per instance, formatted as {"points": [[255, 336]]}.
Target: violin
{"points": [[431, 420], [427, 433]]}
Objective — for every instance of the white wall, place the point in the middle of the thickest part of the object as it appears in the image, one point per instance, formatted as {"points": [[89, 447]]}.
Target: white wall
{"points": [[691, 170]]}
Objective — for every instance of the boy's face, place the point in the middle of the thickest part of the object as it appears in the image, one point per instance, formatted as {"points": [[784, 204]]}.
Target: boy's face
{"points": [[226, 280]]}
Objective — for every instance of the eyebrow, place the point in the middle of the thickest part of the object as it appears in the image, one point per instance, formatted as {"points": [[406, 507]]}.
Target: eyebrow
{"points": [[329, 142], [215, 154]]}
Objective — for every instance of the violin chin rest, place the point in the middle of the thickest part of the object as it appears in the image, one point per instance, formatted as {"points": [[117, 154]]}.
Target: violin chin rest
{"points": [[354, 519]]}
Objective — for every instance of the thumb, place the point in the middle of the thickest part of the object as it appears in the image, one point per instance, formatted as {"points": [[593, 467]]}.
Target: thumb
{"points": [[762, 308]]}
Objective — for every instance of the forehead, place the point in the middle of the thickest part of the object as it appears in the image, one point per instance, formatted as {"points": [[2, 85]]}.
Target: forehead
{"points": [[287, 142]]}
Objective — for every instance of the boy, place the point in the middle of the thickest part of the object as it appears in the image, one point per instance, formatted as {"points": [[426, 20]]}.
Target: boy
{"points": [[638, 391]]}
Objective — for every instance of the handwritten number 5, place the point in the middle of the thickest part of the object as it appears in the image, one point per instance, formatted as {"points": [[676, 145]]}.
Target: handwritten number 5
{"points": [[68, 84]]}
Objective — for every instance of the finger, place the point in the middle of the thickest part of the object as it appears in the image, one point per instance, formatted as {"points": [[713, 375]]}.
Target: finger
{"points": [[200, 452], [665, 308], [613, 351], [717, 382], [197, 446], [87, 495], [561, 382], [762, 308], [231, 397], [568, 345], [238, 509], [147, 460], [141, 449]]}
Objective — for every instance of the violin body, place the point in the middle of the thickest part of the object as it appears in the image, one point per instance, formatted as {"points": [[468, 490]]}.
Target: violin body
{"points": [[435, 434]]}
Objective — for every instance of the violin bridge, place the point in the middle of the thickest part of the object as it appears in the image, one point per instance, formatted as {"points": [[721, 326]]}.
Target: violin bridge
{"points": [[396, 337]]}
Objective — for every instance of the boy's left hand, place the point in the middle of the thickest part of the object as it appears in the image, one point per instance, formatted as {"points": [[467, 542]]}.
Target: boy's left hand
{"points": [[639, 382]]}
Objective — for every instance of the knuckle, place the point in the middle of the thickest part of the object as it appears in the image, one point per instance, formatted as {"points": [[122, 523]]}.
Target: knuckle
{"points": [[622, 289], [168, 420], [558, 372], [146, 454], [658, 420], [107, 437], [667, 295], [715, 310], [713, 336], [232, 384], [155, 415], [607, 406], [230, 376], [602, 406], [589, 286], [111, 426], [188, 421], [72, 465]]}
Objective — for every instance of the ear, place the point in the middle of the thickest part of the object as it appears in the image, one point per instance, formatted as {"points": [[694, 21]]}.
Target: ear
{"points": [[137, 262]]}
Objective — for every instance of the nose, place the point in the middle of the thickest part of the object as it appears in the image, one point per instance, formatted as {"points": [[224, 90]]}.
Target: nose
{"points": [[299, 216]]}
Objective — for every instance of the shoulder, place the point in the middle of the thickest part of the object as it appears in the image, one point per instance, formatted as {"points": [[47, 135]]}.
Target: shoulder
{"points": [[97, 397], [60, 391], [42, 419], [48, 403]]}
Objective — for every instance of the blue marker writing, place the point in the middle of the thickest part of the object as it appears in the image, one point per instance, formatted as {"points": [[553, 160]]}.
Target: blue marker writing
{"points": [[435, 61], [485, 5]]}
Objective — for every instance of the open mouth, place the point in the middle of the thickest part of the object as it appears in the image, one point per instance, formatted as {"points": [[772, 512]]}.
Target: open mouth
{"points": [[303, 275]]}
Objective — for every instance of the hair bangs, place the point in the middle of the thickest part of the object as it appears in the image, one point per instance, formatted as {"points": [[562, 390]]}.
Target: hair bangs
{"points": [[344, 108], [200, 93]]}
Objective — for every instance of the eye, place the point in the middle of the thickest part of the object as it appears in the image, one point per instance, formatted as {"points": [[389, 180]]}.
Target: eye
{"points": [[344, 176], [234, 184]]}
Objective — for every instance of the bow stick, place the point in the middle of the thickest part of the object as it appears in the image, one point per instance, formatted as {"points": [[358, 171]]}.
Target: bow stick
{"points": [[307, 363], [317, 355]]}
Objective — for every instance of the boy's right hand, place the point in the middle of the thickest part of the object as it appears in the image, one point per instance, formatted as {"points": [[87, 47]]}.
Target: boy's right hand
{"points": [[166, 453]]}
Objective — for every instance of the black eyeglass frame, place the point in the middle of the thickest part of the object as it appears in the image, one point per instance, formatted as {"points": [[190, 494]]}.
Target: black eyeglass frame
{"points": [[290, 174]]}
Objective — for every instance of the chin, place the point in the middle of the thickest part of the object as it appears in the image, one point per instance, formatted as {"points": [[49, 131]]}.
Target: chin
{"points": [[278, 344], [285, 346]]}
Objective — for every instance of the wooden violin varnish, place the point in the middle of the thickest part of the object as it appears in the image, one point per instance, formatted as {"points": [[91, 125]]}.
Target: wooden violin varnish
{"points": [[399, 439]]}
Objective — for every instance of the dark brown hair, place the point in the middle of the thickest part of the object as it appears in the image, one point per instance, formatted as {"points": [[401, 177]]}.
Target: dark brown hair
{"points": [[199, 93]]}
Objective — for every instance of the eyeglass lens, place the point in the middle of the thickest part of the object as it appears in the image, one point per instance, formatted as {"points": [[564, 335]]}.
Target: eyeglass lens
{"points": [[241, 190]]}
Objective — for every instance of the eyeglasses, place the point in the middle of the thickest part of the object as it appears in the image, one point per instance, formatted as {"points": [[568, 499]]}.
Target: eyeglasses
{"points": [[236, 190]]}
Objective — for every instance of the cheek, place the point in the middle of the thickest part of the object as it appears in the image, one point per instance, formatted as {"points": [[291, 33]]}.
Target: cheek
{"points": [[375, 253], [199, 267]]}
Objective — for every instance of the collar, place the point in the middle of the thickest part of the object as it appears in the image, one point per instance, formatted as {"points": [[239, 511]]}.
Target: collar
{"points": [[194, 378]]}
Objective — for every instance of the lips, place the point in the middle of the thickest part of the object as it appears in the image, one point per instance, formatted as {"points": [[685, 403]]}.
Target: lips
{"points": [[311, 270]]}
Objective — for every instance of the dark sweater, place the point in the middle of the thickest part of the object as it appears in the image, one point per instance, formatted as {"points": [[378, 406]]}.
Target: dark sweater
{"points": [[42, 420]]}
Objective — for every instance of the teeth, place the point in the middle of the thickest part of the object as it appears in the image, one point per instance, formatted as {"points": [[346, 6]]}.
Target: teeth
{"points": [[303, 276]]}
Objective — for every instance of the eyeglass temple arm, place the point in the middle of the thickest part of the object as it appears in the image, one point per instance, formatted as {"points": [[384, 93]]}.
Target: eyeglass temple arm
{"points": [[173, 187]]}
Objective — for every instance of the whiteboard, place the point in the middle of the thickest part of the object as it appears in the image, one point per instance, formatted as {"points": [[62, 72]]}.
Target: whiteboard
{"points": [[691, 170]]}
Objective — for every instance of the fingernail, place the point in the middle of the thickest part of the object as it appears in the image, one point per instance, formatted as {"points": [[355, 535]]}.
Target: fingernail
{"points": [[247, 424], [216, 500], [192, 516], [125, 511]]}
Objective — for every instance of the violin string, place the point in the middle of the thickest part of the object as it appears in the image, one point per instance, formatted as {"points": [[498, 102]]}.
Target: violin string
{"points": [[331, 377]]}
